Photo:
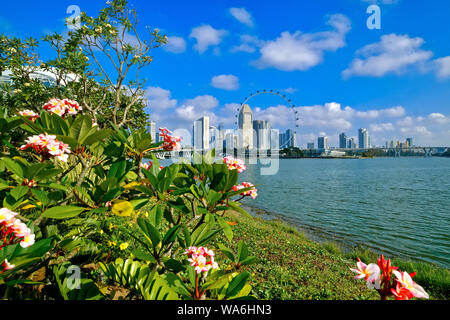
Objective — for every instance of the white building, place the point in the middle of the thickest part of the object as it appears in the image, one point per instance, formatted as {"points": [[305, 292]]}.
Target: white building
{"points": [[201, 134], [246, 127], [363, 138]]}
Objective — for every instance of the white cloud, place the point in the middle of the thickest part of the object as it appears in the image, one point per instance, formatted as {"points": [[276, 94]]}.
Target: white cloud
{"points": [[442, 67], [206, 36], [242, 15], [225, 81], [381, 127], [175, 44], [392, 54], [393, 112], [248, 44], [159, 99], [302, 51]]}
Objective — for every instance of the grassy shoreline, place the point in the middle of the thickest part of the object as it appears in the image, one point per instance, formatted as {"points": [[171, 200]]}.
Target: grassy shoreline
{"points": [[292, 267]]}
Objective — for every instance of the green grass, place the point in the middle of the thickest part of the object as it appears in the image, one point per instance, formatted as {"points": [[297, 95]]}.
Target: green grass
{"points": [[292, 267]]}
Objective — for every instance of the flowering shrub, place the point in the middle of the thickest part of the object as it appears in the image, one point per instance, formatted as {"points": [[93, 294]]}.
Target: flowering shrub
{"points": [[47, 146], [380, 276]]}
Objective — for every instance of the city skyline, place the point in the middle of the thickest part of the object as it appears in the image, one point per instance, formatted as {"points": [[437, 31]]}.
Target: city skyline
{"points": [[333, 68]]}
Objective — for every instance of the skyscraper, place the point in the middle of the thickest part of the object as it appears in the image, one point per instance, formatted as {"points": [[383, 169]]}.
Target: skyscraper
{"points": [[310, 145], [201, 134], [409, 142], [274, 139], [261, 139], [351, 143], [363, 138], [343, 140], [246, 127], [322, 143], [152, 130]]}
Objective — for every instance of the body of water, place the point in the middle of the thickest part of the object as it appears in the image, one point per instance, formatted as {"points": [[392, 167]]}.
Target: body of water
{"points": [[396, 206]]}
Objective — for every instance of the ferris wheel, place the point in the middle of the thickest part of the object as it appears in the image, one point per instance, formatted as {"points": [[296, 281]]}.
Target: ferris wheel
{"points": [[296, 119]]}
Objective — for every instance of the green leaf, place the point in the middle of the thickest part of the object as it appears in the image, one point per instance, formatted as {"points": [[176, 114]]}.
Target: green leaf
{"points": [[171, 235], [237, 284], [149, 231], [13, 166], [226, 252], [242, 251], [235, 206], [41, 196], [63, 212], [226, 228], [19, 192]]}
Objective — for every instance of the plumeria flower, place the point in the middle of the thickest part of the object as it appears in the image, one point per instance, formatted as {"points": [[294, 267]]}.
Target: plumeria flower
{"points": [[47, 146], [401, 293], [13, 231], [62, 107], [370, 273], [233, 163], [7, 266], [27, 241], [170, 143], [29, 114], [146, 166], [253, 193], [201, 259], [405, 280]]}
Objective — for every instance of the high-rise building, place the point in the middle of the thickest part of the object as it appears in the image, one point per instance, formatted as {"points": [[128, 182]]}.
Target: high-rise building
{"points": [[310, 145], [288, 139], [152, 130], [214, 139], [363, 138], [229, 144], [246, 127], [409, 142], [261, 139], [201, 134], [322, 143], [221, 135], [274, 139], [343, 141], [351, 143]]}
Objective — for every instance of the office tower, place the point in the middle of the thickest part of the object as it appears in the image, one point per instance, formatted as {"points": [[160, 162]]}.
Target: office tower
{"points": [[310, 145], [274, 139], [363, 138], [201, 134], [409, 142], [291, 138], [246, 127], [322, 143], [261, 139], [214, 138], [229, 141], [343, 141], [151, 128], [221, 135], [351, 143]]}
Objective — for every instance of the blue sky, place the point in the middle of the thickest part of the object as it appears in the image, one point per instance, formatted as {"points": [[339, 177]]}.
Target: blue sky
{"points": [[395, 81]]}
